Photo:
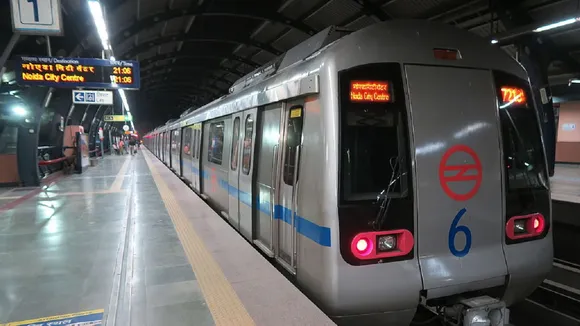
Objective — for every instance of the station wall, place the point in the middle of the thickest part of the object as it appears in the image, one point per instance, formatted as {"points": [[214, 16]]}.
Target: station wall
{"points": [[568, 141]]}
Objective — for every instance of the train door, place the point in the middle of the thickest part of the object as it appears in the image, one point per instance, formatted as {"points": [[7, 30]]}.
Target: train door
{"points": [[288, 184], [186, 150], [267, 147], [246, 172], [234, 174], [458, 175], [196, 166], [177, 152], [162, 147]]}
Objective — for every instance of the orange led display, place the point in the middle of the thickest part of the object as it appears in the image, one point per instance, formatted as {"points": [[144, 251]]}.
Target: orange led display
{"points": [[513, 95], [370, 91]]}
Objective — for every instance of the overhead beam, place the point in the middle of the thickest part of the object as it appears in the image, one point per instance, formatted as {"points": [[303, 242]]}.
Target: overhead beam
{"points": [[179, 81], [187, 89], [185, 71], [177, 56], [372, 9], [199, 37], [225, 9], [514, 17], [171, 97]]}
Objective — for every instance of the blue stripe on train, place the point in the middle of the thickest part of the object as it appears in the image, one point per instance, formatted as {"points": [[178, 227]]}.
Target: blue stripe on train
{"points": [[311, 230]]}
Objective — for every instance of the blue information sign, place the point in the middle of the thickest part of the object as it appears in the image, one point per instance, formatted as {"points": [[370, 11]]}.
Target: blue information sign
{"points": [[78, 72]]}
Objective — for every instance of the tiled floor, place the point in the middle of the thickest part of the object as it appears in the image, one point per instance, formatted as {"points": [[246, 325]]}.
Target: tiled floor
{"points": [[79, 243], [124, 239]]}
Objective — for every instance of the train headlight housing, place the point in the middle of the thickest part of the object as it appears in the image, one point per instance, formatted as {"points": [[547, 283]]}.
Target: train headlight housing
{"points": [[526, 226], [386, 243], [520, 226], [382, 244]]}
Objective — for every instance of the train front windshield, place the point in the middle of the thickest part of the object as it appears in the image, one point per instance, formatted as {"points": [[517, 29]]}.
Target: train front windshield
{"points": [[373, 133]]}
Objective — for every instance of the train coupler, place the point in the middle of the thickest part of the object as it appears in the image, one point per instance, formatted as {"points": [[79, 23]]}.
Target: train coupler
{"points": [[478, 311]]}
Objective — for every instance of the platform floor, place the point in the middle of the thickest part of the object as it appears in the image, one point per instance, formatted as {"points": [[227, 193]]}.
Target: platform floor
{"points": [[128, 243], [566, 183]]}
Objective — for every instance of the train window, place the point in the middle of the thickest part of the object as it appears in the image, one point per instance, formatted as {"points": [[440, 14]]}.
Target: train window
{"points": [[215, 146], [522, 146], [247, 149], [235, 144], [187, 141], [198, 143], [293, 140], [526, 175], [194, 142], [372, 136]]}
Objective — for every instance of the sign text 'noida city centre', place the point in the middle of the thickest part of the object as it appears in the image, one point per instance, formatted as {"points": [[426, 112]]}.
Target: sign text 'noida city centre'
{"points": [[78, 72]]}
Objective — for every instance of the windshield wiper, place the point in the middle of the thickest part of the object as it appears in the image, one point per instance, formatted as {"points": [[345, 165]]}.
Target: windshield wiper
{"points": [[383, 197]]}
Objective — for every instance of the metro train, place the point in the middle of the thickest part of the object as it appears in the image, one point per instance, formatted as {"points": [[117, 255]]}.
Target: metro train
{"points": [[397, 166]]}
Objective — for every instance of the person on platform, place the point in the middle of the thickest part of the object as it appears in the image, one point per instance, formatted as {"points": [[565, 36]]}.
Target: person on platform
{"points": [[132, 144], [122, 147]]}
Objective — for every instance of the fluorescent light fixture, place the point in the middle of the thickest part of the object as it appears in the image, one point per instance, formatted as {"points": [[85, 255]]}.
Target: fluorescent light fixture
{"points": [[97, 12], [573, 81], [112, 58], [556, 25], [19, 110], [124, 100], [494, 41]]}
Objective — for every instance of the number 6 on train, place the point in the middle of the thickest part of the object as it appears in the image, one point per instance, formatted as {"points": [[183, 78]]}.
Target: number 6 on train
{"points": [[453, 230]]}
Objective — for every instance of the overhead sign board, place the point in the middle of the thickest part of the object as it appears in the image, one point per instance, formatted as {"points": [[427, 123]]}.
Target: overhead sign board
{"points": [[116, 118], [92, 97], [37, 17], [77, 72]]}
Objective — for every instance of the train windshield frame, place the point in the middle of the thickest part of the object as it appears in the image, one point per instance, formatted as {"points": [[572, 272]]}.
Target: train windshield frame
{"points": [[368, 125], [524, 157], [526, 183]]}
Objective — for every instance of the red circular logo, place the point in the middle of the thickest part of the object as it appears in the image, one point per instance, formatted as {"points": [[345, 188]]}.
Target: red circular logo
{"points": [[461, 170]]}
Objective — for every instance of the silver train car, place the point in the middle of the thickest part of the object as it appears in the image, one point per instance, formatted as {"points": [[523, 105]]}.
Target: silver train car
{"points": [[396, 166]]}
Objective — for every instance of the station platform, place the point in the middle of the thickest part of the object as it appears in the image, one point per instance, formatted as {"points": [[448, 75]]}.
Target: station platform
{"points": [[566, 194], [127, 243]]}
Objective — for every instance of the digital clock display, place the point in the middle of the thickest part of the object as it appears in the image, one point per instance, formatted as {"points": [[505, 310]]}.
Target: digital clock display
{"points": [[513, 95], [78, 72]]}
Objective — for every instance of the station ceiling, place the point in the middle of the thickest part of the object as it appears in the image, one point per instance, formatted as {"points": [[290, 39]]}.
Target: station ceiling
{"points": [[192, 51]]}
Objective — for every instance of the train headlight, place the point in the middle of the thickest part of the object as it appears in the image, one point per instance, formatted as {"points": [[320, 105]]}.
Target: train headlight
{"points": [[387, 242], [364, 246]]}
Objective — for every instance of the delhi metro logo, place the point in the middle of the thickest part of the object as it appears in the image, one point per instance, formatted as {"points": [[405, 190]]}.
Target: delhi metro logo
{"points": [[469, 173]]}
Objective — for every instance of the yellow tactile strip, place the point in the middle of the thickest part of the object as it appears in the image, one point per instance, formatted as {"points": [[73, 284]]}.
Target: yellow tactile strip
{"points": [[118, 183], [223, 302]]}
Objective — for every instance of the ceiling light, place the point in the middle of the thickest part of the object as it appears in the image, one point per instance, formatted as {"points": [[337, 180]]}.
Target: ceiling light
{"points": [[556, 25], [494, 41], [19, 110], [97, 12]]}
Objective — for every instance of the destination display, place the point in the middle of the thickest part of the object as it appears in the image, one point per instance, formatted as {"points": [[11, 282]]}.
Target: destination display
{"points": [[370, 91], [78, 72]]}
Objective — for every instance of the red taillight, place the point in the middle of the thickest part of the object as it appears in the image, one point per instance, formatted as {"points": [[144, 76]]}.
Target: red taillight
{"points": [[525, 226], [362, 245], [383, 244]]}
